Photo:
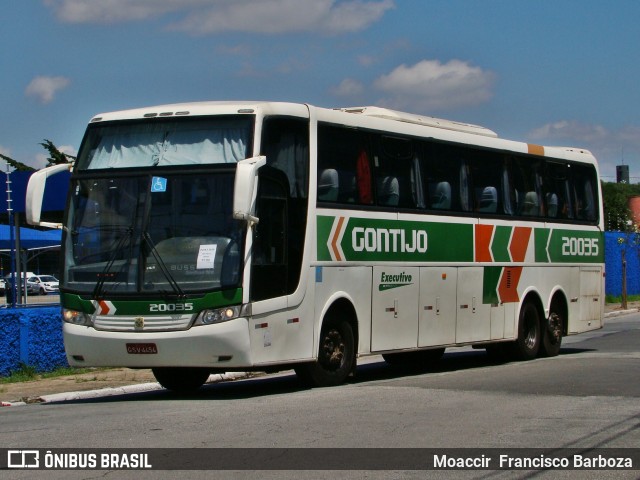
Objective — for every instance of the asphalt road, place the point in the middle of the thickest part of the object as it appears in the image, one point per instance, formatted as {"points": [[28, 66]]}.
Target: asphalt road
{"points": [[587, 397]]}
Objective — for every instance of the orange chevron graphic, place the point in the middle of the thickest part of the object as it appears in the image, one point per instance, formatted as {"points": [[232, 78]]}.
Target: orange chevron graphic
{"points": [[104, 307], [508, 286], [334, 240], [483, 236], [519, 243]]}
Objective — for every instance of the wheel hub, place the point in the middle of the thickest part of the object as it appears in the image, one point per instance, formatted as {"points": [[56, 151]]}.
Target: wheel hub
{"points": [[333, 349], [554, 327]]}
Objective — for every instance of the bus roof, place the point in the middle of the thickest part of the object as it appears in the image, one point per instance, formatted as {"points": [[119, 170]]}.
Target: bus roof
{"points": [[367, 116], [421, 120]]}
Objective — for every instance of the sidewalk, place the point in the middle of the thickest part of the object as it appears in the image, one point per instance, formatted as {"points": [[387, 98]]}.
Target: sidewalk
{"points": [[42, 390], [100, 383], [615, 309], [118, 381]]}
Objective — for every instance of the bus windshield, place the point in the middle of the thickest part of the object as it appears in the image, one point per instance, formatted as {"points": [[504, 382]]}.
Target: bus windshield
{"points": [[164, 227], [170, 234]]}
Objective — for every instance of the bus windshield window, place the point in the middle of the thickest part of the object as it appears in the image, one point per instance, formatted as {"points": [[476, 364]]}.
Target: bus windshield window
{"points": [[150, 233], [163, 142]]}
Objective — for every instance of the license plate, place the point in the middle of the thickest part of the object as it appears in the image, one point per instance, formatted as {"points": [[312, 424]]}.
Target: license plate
{"points": [[142, 348]]}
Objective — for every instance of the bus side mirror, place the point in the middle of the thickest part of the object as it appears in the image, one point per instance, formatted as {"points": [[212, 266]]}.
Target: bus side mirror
{"points": [[35, 194], [244, 188]]}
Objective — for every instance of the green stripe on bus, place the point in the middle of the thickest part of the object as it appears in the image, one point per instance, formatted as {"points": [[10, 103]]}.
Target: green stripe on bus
{"points": [[490, 281], [348, 239], [568, 246], [541, 238], [500, 244], [324, 225], [372, 240], [142, 307]]}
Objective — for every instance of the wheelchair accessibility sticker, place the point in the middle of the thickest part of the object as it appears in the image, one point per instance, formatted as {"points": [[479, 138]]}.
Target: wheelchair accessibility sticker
{"points": [[158, 184]]}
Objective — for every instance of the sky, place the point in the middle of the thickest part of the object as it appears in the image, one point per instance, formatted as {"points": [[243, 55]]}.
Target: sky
{"points": [[551, 72]]}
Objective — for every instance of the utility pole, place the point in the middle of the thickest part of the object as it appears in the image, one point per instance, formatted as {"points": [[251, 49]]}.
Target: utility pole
{"points": [[12, 261]]}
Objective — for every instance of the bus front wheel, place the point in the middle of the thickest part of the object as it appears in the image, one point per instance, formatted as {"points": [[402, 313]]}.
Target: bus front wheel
{"points": [[336, 356], [181, 380]]}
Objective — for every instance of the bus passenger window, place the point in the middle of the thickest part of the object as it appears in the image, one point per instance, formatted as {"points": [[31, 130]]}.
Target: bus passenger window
{"points": [[465, 201], [417, 186], [328, 185], [388, 191], [530, 205], [488, 202], [441, 199], [344, 173], [585, 204], [552, 205], [363, 178]]}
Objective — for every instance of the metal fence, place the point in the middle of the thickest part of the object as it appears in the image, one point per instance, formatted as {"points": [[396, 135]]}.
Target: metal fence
{"points": [[32, 300]]}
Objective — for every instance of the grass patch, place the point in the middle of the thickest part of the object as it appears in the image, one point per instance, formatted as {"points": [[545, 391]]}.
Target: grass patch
{"points": [[26, 373], [618, 299]]}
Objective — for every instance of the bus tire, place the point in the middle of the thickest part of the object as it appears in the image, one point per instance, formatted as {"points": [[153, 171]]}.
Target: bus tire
{"points": [[552, 335], [527, 344], [181, 380], [336, 356]]}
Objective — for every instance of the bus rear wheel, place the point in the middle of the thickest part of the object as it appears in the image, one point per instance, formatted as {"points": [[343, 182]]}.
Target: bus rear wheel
{"points": [[336, 356], [181, 380], [552, 335], [527, 344]]}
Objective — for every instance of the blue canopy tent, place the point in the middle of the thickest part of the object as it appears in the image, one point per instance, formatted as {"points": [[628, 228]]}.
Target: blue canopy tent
{"points": [[28, 243], [30, 239]]}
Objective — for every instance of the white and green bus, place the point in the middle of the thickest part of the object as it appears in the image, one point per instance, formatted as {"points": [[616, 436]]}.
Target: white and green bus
{"points": [[236, 236]]}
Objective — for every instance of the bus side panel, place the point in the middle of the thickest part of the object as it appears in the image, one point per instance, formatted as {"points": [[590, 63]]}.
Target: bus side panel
{"points": [[283, 334], [437, 307], [395, 294], [473, 323], [591, 298]]}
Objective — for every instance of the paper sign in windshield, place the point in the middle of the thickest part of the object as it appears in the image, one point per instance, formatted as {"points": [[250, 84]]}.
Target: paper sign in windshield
{"points": [[206, 256]]}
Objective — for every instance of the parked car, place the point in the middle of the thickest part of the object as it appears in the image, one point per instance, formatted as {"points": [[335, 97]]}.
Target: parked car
{"points": [[42, 284], [8, 290]]}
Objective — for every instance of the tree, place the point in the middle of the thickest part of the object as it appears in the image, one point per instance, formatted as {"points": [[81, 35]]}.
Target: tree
{"points": [[16, 164], [615, 196], [56, 157]]}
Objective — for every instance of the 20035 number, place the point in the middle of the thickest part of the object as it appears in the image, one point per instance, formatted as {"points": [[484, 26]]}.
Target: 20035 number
{"points": [[171, 307], [584, 247]]}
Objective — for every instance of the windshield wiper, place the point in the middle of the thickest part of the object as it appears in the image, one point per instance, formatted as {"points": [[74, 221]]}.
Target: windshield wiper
{"points": [[163, 268], [102, 276]]}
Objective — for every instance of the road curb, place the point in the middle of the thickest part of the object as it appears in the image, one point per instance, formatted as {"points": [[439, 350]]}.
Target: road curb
{"points": [[113, 391], [617, 313]]}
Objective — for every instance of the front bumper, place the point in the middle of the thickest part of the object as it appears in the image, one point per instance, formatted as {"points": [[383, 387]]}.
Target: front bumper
{"points": [[223, 345]]}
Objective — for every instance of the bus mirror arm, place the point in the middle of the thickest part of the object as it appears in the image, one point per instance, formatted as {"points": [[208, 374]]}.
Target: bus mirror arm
{"points": [[35, 194], [244, 189]]}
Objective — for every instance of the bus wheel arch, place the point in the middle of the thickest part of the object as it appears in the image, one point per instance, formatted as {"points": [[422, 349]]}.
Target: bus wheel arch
{"points": [[554, 326], [337, 347]]}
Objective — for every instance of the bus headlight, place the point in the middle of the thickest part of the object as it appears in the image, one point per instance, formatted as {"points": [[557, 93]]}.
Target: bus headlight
{"points": [[219, 315], [75, 317]]}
